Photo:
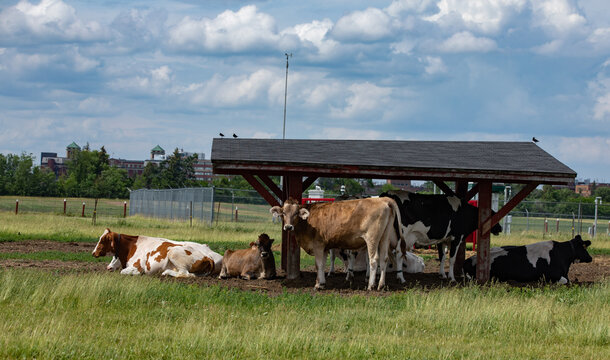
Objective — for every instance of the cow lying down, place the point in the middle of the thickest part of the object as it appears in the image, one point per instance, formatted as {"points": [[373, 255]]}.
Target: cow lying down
{"points": [[151, 255], [255, 262], [546, 260]]}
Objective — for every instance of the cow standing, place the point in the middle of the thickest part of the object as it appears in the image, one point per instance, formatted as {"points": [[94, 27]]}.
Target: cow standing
{"points": [[150, 255], [349, 224], [437, 219], [546, 260], [255, 262]]}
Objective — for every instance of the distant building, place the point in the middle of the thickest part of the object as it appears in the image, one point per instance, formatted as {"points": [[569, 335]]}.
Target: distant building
{"points": [[59, 165], [401, 184], [586, 188]]}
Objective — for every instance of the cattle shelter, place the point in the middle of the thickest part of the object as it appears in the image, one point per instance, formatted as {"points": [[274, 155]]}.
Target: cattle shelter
{"points": [[301, 162]]}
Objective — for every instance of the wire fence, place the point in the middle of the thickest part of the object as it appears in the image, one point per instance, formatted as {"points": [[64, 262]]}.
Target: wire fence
{"points": [[65, 206]]}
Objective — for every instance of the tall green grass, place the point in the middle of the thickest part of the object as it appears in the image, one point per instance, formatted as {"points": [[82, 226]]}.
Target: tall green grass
{"points": [[93, 316]]}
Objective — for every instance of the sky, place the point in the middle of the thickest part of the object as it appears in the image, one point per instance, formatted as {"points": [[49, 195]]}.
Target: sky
{"points": [[129, 75]]}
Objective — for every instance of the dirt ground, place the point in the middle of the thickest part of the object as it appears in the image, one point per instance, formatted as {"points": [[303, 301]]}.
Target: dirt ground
{"points": [[580, 274]]}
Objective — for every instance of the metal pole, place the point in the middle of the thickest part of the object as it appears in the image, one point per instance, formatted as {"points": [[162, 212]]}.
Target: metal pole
{"points": [[527, 217], [573, 220], [232, 203], [598, 201], [212, 207], [191, 210], [579, 218], [285, 96]]}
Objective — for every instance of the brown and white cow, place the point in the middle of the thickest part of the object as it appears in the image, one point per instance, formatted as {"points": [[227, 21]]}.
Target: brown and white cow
{"points": [[151, 255], [349, 225], [254, 262]]}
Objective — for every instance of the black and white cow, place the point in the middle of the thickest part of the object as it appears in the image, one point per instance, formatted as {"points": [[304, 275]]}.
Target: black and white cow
{"points": [[546, 260], [437, 219]]}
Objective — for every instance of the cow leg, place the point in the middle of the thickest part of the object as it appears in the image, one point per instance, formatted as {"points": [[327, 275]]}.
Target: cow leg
{"points": [[130, 270], [399, 256], [373, 261], [331, 271], [442, 255], [455, 245], [320, 257], [382, 251]]}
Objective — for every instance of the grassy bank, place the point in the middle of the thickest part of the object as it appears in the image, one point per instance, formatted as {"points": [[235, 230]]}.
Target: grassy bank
{"points": [[95, 316]]}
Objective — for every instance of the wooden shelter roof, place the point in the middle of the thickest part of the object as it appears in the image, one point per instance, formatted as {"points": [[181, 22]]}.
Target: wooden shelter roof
{"points": [[518, 162]]}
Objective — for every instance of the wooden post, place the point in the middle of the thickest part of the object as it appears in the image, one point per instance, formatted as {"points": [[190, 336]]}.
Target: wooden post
{"points": [[16, 206], [461, 190], [64, 206], [83, 213], [94, 212], [293, 255], [284, 260], [483, 261], [236, 217], [124, 209]]}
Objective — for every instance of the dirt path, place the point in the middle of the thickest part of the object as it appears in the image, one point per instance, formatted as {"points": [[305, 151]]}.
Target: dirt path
{"points": [[580, 274]]}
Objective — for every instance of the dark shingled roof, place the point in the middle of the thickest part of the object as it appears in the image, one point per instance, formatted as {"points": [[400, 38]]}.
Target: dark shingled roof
{"points": [[523, 161]]}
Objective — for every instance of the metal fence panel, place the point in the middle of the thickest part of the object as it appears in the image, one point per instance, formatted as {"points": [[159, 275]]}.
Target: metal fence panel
{"points": [[178, 204]]}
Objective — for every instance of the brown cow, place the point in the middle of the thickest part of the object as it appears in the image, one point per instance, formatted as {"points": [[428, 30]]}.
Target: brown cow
{"points": [[255, 262], [349, 224]]}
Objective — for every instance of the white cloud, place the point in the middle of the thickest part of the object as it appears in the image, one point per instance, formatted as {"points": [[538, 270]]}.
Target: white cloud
{"points": [[315, 34], [371, 24], [49, 20], [156, 81], [487, 16], [466, 42], [95, 105], [600, 38], [600, 89], [403, 47], [588, 150], [347, 134], [320, 93], [435, 65], [416, 6], [557, 17], [365, 98], [236, 90], [244, 30]]}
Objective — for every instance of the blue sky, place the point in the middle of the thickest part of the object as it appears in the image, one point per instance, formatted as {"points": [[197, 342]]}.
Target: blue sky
{"points": [[133, 74]]}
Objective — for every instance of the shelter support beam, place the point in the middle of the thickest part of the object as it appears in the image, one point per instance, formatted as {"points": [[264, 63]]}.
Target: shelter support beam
{"points": [[446, 189], [261, 189], [461, 189], [307, 183], [473, 192], [483, 260], [294, 187], [272, 186], [513, 202]]}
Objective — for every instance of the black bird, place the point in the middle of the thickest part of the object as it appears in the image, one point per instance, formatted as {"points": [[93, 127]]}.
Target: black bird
{"points": [[221, 135], [534, 140], [235, 136]]}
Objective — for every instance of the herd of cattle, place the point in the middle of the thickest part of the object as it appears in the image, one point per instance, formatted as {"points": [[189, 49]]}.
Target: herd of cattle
{"points": [[372, 234]]}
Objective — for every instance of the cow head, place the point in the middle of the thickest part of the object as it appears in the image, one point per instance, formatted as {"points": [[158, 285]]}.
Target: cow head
{"points": [[496, 229], [580, 250], [291, 212], [105, 244], [263, 244]]}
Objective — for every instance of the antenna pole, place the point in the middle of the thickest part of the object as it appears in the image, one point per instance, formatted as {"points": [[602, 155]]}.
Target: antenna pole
{"points": [[285, 95]]}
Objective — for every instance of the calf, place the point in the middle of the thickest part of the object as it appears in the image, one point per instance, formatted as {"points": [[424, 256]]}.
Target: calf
{"points": [[546, 260], [137, 255], [255, 262]]}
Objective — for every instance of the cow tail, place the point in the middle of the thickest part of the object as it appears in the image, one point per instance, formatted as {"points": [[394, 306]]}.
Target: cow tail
{"points": [[397, 225]]}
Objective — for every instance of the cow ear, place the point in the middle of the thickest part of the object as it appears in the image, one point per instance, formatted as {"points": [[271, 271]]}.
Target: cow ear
{"points": [[303, 213], [276, 211], [586, 244]]}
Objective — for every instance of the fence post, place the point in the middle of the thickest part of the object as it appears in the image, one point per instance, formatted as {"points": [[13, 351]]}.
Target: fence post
{"points": [[93, 219], [573, 220], [83, 213], [64, 206], [527, 217], [236, 214], [191, 213], [557, 226], [546, 225], [124, 209], [212, 207], [16, 206]]}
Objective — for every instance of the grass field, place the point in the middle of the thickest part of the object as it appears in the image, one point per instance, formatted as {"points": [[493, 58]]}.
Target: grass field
{"points": [[58, 314]]}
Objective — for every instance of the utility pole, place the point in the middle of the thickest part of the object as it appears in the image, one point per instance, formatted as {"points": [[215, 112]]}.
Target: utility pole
{"points": [[285, 95], [598, 201]]}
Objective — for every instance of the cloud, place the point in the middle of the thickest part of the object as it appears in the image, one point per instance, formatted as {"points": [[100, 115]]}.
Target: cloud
{"points": [[50, 20], [154, 82], [397, 7], [369, 25], [435, 65], [600, 89], [466, 42], [590, 150], [557, 17], [482, 16], [315, 35], [347, 134], [238, 90], [230, 32], [364, 99]]}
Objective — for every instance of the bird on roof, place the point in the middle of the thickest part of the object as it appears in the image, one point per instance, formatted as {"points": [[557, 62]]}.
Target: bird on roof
{"points": [[534, 139], [221, 135], [235, 136]]}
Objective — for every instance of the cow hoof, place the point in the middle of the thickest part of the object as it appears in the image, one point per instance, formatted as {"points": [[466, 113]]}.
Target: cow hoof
{"points": [[319, 286]]}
